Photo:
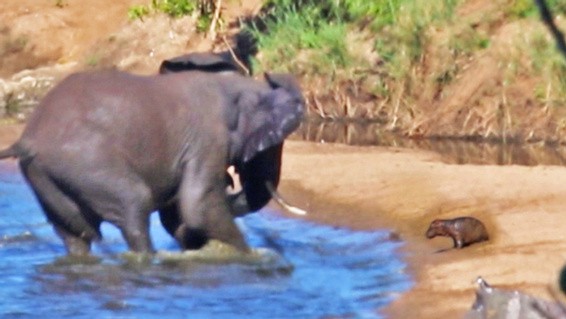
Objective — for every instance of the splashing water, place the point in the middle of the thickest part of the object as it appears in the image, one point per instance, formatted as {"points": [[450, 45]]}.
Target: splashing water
{"points": [[327, 271]]}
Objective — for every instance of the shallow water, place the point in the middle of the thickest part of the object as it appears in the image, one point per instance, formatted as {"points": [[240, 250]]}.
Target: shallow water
{"points": [[325, 272]]}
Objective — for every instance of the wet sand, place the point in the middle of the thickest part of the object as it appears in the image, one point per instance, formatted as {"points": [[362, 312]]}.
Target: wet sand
{"points": [[403, 190]]}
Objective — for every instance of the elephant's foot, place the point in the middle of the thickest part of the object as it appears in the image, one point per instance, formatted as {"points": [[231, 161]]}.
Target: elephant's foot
{"points": [[223, 228], [196, 238], [138, 241], [76, 246]]}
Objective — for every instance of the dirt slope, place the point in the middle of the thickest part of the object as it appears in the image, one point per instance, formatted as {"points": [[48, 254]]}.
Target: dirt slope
{"points": [[38, 33]]}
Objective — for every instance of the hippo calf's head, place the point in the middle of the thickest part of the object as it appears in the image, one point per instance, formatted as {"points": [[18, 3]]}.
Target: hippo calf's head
{"points": [[436, 228]]}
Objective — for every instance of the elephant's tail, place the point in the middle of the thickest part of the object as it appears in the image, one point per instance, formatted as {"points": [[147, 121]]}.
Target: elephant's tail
{"points": [[15, 150], [9, 152], [277, 197]]}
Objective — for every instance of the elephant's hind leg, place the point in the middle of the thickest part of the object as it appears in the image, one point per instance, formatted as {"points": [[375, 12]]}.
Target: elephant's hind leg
{"points": [[69, 223], [125, 203]]}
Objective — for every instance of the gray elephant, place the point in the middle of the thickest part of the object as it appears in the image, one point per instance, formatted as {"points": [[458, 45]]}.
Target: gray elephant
{"points": [[256, 175], [111, 146], [204, 61], [236, 59]]}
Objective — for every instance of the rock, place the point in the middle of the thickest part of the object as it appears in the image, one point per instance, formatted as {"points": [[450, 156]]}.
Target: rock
{"points": [[20, 93]]}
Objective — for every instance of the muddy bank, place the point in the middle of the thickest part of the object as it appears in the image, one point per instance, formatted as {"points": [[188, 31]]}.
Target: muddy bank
{"points": [[374, 187]]}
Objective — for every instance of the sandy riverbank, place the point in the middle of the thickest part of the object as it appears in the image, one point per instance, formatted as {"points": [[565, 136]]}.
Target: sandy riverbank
{"points": [[524, 209]]}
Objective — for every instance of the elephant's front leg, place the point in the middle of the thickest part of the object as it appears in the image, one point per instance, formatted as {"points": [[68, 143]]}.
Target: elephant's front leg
{"points": [[204, 208]]}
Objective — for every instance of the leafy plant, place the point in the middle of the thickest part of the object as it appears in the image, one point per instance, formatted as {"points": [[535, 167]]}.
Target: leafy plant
{"points": [[174, 8], [205, 10], [138, 12], [526, 8]]}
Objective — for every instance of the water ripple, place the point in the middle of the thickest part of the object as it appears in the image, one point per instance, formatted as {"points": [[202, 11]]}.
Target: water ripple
{"points": [[336, 272]]}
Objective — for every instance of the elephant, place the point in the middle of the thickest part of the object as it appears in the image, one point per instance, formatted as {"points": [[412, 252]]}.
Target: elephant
{"points": [[236, 59], [259, 177], [113, 146], [203, 61]]}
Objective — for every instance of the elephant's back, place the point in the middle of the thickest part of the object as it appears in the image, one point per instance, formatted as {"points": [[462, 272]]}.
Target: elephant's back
{"points": [[87, 101], [107, 110]]}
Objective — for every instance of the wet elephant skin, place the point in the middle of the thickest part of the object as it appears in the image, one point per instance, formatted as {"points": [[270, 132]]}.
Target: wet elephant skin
{"points": [[112, 146]]}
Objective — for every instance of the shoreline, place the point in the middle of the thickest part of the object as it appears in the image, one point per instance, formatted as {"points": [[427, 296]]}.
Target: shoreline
{"points": [[403, 190]]}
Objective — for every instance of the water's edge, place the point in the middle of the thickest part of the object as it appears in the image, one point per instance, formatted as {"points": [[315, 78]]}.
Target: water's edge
{"points": [[335, 272]]}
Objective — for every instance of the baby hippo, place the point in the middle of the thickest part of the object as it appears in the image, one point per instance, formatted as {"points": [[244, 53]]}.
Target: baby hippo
{"points": [[463, 230]]}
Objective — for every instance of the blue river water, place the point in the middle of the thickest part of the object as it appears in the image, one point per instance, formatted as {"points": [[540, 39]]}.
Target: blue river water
{"points": [[328, 272]]}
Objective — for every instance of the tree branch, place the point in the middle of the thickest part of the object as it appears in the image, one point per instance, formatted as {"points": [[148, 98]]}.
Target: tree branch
{"points": [[546, 17], [212, 30]]}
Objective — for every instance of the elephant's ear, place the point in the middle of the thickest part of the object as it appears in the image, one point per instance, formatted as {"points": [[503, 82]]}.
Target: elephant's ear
{"points": [[207, 62], [278, 113]]}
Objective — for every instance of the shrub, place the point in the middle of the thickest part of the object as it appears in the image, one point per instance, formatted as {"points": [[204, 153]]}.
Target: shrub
{"points": [[177, 8]]}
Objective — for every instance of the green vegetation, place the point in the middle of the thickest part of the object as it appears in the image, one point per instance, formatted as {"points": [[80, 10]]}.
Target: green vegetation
{"points": [[173, 8], [406, 57], [400, 27], [527, 8], [93, 60], [315, 39], [138, 12], [546, 62], [403, 61], [204, 10], [294, 37], [12, 105]]}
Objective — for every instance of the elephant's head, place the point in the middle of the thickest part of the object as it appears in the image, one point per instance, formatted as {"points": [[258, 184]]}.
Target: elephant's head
{"points": [[258, 124], [261, 121], [257, 136]]}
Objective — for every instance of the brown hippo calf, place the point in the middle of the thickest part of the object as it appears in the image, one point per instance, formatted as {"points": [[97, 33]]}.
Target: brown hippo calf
{"points": [[463, 230]]}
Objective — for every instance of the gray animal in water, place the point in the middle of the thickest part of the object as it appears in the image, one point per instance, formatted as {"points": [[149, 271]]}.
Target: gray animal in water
{"points": [[266, 166], [464, 231], [112, 146]]}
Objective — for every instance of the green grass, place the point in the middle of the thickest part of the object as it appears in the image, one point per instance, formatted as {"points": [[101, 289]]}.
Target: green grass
{"points": [[299, 44], [527, 8], [173, 8], [320, 28], [546, 61], [204, 10]]}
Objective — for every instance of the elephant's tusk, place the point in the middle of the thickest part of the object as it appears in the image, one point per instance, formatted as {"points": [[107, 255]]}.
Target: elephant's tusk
{"points": [[277, 197]]}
